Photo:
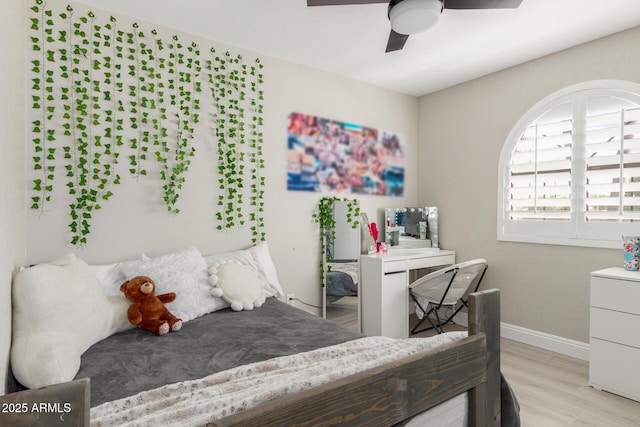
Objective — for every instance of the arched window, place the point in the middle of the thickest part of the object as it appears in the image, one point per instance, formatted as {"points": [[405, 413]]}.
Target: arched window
{"points": [[569, 171]]}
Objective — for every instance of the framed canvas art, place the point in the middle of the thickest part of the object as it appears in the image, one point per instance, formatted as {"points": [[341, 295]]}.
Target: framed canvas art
{"points": [[330, 156]]}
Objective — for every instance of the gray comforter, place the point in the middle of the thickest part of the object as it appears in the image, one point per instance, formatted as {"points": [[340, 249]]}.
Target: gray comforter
{"points": [[212, 343]]}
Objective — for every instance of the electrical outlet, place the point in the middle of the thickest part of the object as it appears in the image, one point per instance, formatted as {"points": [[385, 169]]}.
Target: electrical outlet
{"points": [[291, 299]]}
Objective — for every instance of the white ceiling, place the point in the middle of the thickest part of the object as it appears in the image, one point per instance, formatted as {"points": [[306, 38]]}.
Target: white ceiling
{"points": [[350, 40]]}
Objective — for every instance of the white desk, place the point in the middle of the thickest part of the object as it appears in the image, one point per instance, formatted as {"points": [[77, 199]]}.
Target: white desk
{"points": [[384, 279]]}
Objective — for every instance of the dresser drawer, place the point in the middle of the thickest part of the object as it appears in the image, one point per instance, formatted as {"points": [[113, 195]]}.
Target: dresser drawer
{"points": [[614, 294], [614, 367], [615, 326]]}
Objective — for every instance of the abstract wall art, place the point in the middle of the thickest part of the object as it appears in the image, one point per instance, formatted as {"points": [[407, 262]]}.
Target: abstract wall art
{"points": [[330, 156]]}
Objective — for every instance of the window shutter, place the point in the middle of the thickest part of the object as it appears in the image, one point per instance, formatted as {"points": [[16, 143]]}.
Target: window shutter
{"points": [[540, 173], [612, 161]]}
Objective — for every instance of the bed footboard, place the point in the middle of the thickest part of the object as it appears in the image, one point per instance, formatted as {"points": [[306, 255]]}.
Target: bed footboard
{"points": [[397, 391], [65, 404], [484, 318]]}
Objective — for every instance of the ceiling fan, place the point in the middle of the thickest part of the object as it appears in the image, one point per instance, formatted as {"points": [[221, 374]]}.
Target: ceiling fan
{"points": [[415, 16]]}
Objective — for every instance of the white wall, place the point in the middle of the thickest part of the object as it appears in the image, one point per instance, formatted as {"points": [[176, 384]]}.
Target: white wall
{"points": [[544, 287], [12, 223], [294, 88], [135, 221]]}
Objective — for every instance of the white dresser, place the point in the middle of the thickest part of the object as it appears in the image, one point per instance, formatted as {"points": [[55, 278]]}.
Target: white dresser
{"points": [[614, 361], [384, 279]]}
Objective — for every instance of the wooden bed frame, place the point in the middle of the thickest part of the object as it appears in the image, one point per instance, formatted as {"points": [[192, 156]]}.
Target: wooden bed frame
{"points": [[397, 391], [382, 396]]}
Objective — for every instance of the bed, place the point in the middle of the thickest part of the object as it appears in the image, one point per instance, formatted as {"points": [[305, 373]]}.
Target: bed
{"points": [[268, 363]]}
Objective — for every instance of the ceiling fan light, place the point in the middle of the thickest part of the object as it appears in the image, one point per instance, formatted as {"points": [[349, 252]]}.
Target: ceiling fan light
{"points": [[414, 16]]}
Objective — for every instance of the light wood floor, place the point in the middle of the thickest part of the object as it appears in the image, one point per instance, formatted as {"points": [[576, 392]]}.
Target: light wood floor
{"points": [[553, 389]]}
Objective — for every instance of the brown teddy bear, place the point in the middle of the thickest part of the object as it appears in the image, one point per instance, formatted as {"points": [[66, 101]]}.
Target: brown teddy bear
{"points": [[148, 310]]}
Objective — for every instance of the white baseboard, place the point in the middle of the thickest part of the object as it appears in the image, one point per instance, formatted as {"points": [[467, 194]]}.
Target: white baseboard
{"points": [[568, 347]]}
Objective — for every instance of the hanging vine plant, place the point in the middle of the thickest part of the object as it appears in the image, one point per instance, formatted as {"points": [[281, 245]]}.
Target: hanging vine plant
{"points": [[104, 156], [95, 85], [138, 148], [257, 154], [225, 147], [237, 97], [90, 157], [42, 97], [183, 90], [113, 129], [237, 117], [76, 112], [324, 217], [230, 137], [160, 134]]}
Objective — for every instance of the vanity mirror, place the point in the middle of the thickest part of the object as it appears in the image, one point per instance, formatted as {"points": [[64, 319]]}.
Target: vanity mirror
{"points": [[411, 227]]}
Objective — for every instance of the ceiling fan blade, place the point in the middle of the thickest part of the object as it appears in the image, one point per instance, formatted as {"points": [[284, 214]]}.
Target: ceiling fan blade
{"points": [[396, 41], [481, 4], [342, 2]]}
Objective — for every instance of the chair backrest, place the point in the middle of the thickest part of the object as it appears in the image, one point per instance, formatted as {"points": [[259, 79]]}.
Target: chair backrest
{"points": [[433, 287]]}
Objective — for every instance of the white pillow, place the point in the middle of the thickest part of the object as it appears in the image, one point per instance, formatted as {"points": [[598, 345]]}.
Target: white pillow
{"points": [[59, 311], [238, 284], [183, 272], [110, 277], [243, 256], [258, 258], [267, 269]]}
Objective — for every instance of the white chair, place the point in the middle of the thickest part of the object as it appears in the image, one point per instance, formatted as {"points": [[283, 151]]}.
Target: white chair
{"points": [[445, 288]]}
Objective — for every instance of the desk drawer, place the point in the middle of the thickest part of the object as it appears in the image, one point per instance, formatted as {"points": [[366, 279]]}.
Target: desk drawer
{"points": [[394, 266], [431, 261], [614, 294], [615, 326]]}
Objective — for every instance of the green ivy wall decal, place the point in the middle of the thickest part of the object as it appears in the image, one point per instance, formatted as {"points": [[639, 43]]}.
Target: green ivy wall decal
{"points": [[95, 85]]}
